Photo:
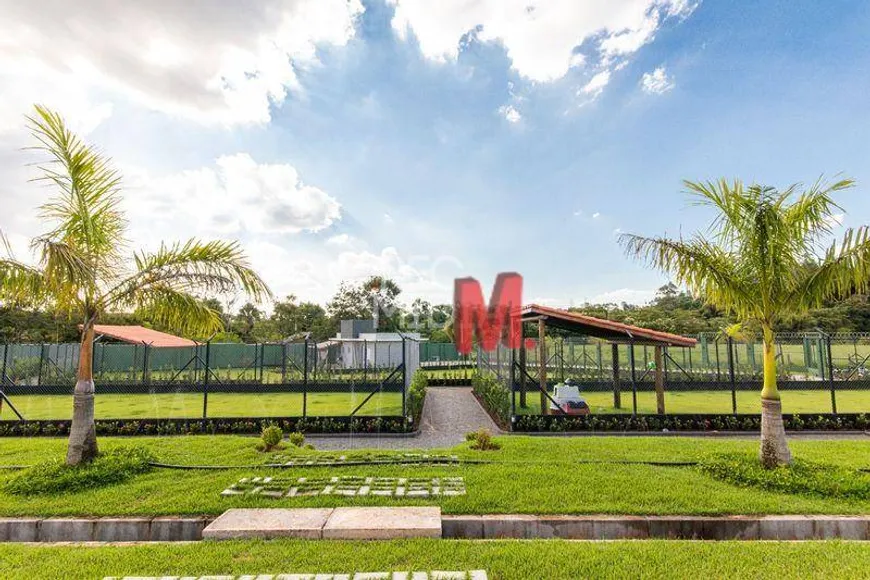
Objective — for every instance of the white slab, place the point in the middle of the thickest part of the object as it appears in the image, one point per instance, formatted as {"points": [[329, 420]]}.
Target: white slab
{"points": [[383, 523], [269, 523]]}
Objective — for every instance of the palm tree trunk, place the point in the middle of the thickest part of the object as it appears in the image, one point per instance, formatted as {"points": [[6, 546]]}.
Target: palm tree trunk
{"points": [[83, 434], [774, 446]]}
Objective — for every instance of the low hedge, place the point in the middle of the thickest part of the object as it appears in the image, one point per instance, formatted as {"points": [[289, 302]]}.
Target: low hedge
{"points": [[417, 395], [494, 396], [242, 425], [809, 422]]}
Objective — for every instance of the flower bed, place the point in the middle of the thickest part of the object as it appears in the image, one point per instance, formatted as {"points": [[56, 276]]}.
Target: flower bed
{"points": [[245, 425], [658, 423]]}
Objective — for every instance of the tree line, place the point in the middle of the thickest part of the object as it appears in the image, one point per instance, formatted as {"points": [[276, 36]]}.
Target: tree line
{"points": [[672, 310]]}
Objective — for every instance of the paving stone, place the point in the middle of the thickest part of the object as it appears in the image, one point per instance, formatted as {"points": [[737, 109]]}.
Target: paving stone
{"points": [[268, 523], [510, 526], [19, 529], [66, 530], [381, 523], [785, 528], [177, 529], [123, 530], [845, 528]]}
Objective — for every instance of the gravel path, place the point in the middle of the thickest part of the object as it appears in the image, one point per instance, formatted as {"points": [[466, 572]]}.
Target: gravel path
{"points": [[448, 414]]}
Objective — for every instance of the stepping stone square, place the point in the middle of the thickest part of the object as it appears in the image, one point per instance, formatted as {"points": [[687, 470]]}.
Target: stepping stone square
{"points": [[433, 575], [290, 460], [348, 486]]}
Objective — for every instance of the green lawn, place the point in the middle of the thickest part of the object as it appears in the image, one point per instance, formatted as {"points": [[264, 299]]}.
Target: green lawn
{"points": [[714, 402], [531, 475], [219, 405], [503, 560], [111, 406]]}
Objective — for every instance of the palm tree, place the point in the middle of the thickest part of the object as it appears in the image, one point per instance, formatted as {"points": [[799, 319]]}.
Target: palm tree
{"points": [[753, 265], [82, 270]]}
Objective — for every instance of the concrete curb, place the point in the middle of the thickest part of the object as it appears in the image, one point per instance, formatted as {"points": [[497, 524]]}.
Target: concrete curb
{"points": [[792, 527], [156, 529], [513, 526]]}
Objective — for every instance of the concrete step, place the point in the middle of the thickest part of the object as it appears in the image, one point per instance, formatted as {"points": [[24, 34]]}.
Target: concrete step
{"points": [[363, 523]]}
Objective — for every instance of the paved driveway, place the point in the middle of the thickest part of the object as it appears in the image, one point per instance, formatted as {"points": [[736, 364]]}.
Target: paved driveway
{"points": [[448, 414]]}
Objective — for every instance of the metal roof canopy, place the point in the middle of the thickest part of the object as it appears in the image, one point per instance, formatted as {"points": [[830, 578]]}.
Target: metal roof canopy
{"points": [[609, 330], [141, 335]]}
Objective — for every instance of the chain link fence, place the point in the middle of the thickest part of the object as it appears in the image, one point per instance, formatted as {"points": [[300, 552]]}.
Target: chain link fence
{"points": [[338, 378], [817, 373]]}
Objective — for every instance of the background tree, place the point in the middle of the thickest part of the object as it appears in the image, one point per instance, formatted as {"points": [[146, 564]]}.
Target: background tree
{"points": [[753, 265], [355, 301], [82, 272]]}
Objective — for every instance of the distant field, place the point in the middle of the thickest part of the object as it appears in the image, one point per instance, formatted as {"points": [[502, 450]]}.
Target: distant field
{"points": [[715, 402], [184, 405]]}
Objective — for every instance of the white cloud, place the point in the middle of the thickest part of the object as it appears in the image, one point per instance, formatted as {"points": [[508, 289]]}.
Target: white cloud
{"points": [[657, 82], [388, 218], [596, 84], [237, 195], [539, 37], [214, 62], [617, 231], [510, 113], [339, 240], [628, 295], [596, 215], [315, 275]]}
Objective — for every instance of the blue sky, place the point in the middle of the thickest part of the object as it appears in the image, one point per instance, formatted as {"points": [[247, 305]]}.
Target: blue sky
{"points": [[428, 142]]}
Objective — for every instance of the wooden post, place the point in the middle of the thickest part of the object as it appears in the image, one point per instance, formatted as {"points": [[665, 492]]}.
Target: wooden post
{"points": [[617, 395], [542, 365], [523, 386], [660, 381]]}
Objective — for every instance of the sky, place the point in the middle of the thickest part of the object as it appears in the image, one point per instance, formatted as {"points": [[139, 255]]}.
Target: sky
{"points": [[426, 141]]}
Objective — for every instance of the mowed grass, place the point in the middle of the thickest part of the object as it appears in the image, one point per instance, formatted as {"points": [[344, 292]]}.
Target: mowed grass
{"points": [[848, 401], [190, 405], [503, 560], [528, 475]]}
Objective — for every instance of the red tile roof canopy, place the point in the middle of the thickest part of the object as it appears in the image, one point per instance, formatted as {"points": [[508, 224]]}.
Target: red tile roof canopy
{"points": [[604, 329], [141, 335]]}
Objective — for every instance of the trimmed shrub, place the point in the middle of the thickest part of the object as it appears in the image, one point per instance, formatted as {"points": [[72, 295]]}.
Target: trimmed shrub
{"points": [[417, 395], [272, 435], [494, 395], [297, 439], [482, 440], [801, 477], [55, 477]]}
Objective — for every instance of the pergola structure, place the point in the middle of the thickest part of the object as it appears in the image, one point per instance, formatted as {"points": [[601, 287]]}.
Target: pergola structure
{"points": [[615, 333]]}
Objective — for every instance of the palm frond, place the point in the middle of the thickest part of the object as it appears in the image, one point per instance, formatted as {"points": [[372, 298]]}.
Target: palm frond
{"points": [[844, 270], [700, 265], [215, 267], [811, 215], [86, 210], [179, 311], [19, 283]]}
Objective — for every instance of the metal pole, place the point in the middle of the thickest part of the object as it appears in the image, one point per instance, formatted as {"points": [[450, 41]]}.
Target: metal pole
{"points": [[41, 358], [305, 380], [5, 356], [614, 363], [731, 375], [513, 377], [145, 361], [831, 377], [404, 374], [633, 380], [205, 381], [284, 362]]}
